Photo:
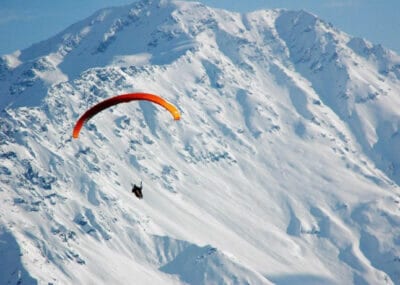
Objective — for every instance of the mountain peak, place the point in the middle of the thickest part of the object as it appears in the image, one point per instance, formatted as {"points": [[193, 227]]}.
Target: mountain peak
{"points": [[284, 167]]}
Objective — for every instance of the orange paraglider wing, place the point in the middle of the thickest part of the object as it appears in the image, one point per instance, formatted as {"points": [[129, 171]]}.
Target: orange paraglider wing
{"points": [[123, 99]]}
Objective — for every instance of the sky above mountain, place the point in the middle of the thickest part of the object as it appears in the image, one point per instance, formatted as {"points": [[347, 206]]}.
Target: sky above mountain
{"points": [[23, 23]]}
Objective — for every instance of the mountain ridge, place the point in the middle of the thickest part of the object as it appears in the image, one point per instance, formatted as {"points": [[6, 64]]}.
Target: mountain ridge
{"points": [[282, 170]]}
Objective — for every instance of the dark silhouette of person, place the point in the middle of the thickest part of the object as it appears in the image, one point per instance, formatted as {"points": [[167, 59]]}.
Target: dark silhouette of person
{"points": [[137, 190]]}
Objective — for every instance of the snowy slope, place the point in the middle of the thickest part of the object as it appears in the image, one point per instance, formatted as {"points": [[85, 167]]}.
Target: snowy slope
{"points": [[284, 168]]}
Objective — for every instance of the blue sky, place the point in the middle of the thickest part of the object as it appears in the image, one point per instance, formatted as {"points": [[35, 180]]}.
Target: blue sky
{"points": [[24, 22]]}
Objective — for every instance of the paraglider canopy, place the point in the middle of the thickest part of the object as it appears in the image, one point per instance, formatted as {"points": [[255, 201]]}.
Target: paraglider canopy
{"points": [[125, 98]]}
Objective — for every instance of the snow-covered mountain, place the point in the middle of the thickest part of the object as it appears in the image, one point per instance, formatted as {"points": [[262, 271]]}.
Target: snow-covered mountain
{"points": [[284, 168]]}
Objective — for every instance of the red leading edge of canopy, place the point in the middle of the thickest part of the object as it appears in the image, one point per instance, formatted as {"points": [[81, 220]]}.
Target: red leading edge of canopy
{"points": [[125, 98]]}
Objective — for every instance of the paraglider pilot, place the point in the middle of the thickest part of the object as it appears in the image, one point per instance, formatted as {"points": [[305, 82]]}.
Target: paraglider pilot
{"points": [[137, 190]]}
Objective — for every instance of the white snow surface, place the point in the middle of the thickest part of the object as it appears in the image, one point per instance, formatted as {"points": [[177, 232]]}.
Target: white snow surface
{"points": [[284, 168]]}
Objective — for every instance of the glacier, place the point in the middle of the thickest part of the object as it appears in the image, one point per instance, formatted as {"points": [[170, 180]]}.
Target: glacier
{"points": [[284, 168]]}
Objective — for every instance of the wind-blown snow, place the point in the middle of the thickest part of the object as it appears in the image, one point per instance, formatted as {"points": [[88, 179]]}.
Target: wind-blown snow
{"points": [[284, 168]]}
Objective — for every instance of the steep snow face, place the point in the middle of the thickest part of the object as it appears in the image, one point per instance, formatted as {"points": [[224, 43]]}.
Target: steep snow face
{"points": [[283, 169], [358, 80]]}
